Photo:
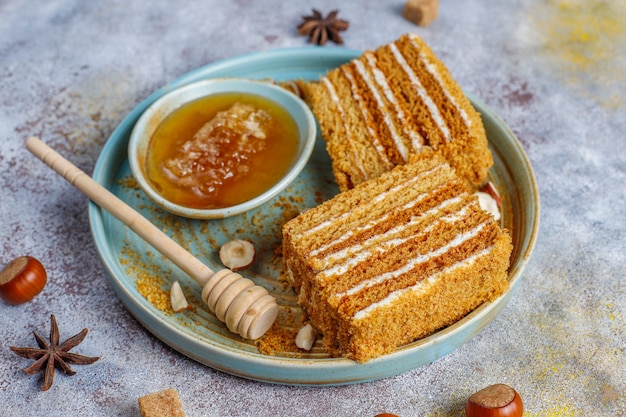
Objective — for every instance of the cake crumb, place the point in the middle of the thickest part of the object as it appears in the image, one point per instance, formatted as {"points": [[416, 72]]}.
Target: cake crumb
{"points": [[421, 12], [165, 403], [129, 183], [148, 280], [277, 341]]}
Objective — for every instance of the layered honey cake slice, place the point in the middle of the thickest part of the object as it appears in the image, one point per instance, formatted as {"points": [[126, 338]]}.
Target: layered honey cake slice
{"points": [[377, 110], [395, 259]]}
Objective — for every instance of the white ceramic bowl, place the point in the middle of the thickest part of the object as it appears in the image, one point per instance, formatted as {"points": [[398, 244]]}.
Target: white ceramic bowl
{"points": [[149, 121]]}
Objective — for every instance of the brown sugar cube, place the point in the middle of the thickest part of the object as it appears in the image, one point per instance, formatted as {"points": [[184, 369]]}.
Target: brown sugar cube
{"points": [[421, 12], [165, 403]]}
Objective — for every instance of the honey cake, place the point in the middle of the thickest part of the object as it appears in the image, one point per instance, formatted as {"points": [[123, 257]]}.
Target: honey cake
{"points": [[377, 110], [395, 258]]}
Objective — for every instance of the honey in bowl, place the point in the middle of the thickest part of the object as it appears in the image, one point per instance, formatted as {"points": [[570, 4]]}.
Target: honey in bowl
{"points": [[221, 150]]}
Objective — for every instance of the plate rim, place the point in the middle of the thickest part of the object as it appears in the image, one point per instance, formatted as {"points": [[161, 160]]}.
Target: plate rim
{"points": [[328, 371]]}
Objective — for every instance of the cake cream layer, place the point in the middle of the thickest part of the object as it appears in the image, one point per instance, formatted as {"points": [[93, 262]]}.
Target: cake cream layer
{"points": [[379, 109], [395, 259]]}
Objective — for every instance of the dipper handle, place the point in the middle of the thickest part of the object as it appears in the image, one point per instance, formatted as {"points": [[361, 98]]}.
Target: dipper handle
{"points": [[252, 305]]}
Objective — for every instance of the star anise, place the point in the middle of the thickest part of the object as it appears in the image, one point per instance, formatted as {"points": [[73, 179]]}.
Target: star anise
{"points": [[321, 29], [52, 355]]}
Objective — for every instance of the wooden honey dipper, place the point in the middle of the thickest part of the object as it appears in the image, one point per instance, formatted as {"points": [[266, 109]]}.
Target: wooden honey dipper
{"points": [[246, 308]]}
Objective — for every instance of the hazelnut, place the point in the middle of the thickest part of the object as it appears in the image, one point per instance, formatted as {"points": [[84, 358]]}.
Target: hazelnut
{"points": [[306, 337], [177, 298], [22, 279], [237, 254], [491, 189], [489, 204], [497, 400]]}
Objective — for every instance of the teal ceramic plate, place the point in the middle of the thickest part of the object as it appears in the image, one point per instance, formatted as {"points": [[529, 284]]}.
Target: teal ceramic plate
{"points": [[142, 278]]}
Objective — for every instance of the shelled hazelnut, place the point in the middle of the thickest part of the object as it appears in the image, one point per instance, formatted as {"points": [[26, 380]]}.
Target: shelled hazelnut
{"points": [[177, 298], [306, 337], [237, 254]]}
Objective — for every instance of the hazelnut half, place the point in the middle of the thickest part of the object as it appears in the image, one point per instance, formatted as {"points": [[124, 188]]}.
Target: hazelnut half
{"points": [[489, 204], [237, 254], [177, 298], [306, 337]]}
